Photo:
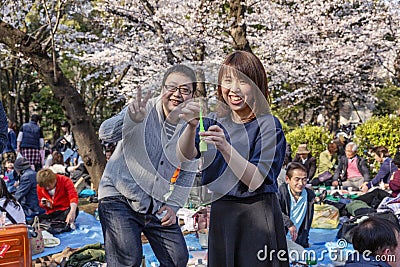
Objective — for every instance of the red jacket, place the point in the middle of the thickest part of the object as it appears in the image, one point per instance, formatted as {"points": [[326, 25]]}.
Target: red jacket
{"points": [[65, 195]]}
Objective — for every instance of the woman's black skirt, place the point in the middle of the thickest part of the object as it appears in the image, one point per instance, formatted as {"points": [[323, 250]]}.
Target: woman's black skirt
{"points": [[247, 232]]}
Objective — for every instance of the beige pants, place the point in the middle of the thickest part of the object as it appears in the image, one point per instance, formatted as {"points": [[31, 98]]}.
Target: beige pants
{"points": [[355, 182]]}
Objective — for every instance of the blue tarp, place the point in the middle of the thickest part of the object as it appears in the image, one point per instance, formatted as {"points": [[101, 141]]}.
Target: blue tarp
{"points": [[318, 239], [191, 241], [89, 232]]}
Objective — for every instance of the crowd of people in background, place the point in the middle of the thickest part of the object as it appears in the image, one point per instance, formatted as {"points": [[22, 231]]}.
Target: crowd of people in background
{"points": [[350, 171], [39, 179]]}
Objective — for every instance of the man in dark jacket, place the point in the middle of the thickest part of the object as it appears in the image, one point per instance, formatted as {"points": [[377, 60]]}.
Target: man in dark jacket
{"points": [[30, 141], [26, 193], [352, 169], [297, 204], [377, 243]]}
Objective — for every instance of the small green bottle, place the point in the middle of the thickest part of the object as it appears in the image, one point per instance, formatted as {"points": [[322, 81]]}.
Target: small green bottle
{"points": [[311, 261], [203, 144]]}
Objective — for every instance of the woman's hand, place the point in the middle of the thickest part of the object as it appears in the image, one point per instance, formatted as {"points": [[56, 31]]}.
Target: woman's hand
{"points": [[137, 108], [190, 113], [216, 136]]}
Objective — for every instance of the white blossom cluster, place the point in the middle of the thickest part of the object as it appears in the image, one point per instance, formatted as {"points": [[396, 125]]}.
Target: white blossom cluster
{"points": [[311, 49]]}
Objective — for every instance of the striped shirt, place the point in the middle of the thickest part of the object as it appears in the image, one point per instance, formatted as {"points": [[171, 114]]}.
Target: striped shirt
{"points": [[169, 129]]}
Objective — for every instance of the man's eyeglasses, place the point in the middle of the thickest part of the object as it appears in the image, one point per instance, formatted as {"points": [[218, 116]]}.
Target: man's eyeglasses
{"points": [[183, 90]]}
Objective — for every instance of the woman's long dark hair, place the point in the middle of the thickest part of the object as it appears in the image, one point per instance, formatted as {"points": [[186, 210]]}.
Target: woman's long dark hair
{"points": [[6, 194]]}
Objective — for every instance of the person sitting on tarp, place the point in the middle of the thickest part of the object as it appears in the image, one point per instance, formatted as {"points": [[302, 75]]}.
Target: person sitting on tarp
{"points": [[326, 165], [352, 170], [297, 204], [26, 193], [9, 176], [57, 195], [376, 242], [58, 165], [304, 157], [394, 182], [381, 155]]}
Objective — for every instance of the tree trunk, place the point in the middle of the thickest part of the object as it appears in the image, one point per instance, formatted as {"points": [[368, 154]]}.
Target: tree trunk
{"points": [[333, 113], [238, 28], [71, 101], [396, 66]]}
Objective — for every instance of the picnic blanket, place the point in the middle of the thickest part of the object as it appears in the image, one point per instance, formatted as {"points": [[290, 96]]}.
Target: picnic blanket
{"points": [[321, 240], [88, 231]]}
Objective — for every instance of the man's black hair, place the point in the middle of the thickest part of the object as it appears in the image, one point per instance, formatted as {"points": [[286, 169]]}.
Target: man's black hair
{"points": [[294, 166], [180, 68], [35, 118], [375, 234]]}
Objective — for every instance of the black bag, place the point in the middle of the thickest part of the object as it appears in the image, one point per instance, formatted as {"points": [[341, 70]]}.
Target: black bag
{"points": [[340, 206], [55, 227], [346, 231]]}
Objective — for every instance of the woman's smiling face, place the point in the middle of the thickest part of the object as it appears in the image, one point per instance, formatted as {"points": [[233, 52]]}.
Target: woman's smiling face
{"points": [[238, 93]]}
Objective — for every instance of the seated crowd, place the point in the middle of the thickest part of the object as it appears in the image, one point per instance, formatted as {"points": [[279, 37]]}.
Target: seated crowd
{"points": [[45, 194], [47, 188], [349, 171]]}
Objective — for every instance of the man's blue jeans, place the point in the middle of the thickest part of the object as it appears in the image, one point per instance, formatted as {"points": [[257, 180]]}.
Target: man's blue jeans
{"points": [[122, 228]]}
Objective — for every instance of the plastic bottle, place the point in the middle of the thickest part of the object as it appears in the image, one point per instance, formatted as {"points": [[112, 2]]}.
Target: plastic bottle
{"points": [[72, 226], [203, 144], [3, 216], [96, 214], [200, 263]]}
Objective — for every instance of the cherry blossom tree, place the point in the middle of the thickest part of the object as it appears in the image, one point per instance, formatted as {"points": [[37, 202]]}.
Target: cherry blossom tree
{"points": [[318, 54], [38, 48], [326, 52]]}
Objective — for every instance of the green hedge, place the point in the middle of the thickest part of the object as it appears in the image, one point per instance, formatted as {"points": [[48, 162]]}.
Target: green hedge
{"points": [[315, 137], [379, 131]]}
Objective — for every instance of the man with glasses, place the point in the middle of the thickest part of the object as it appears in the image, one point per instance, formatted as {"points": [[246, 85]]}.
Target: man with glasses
{"points": [[297, 204], [135, 193]]}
